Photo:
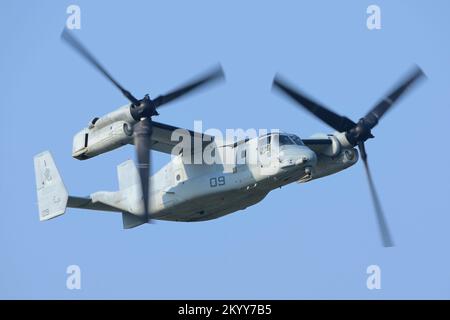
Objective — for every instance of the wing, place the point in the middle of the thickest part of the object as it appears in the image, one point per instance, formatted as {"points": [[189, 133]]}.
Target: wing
{"points": [[317, 145], [164, 137]]}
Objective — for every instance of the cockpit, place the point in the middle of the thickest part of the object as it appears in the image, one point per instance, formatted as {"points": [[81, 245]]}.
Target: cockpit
{"points": [[268, 141], [288, 149]]}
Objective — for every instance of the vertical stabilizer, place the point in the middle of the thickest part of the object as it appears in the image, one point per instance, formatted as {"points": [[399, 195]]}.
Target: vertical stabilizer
{"points": [[129, 185], [51, 192]]}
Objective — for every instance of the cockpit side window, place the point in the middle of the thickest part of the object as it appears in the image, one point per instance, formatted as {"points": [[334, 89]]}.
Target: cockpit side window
{"points": [[264, 144]]}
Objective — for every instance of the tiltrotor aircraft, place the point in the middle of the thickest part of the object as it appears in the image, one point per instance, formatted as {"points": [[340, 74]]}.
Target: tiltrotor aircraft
{"points": [[185, 190]]}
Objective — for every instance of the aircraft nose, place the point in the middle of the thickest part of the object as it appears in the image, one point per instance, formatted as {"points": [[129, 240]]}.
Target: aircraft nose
{"points": [[308, 157], [297, 157]]}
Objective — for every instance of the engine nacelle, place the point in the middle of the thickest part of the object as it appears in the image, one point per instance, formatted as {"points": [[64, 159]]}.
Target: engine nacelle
{"points": [[336, 156], [331, 150], [104, 134], [330, 165]]}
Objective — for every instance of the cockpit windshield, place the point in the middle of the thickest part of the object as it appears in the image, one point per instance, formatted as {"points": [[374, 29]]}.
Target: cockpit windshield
{"points": [[284, 140], [297, 140]]}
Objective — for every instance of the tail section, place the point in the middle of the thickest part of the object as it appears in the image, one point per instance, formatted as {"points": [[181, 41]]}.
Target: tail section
{"points": [[127, 175], [129, 186], [51, 192], [53, 197]]}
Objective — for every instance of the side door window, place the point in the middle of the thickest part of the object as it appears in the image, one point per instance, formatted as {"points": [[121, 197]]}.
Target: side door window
{"points": [[241, 156], [264, 145]]}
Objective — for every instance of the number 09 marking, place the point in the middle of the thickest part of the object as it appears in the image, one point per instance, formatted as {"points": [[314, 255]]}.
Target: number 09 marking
{"points": [[219, 181]]}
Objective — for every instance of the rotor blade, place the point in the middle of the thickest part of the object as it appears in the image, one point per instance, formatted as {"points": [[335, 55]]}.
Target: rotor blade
{"points": [[142, 136], [334, 120], [375, 114], [382, 224], [207, 78], [70, 39]]}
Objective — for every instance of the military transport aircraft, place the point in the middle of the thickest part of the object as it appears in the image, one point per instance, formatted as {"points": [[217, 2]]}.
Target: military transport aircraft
{"points": [[185, 190]]}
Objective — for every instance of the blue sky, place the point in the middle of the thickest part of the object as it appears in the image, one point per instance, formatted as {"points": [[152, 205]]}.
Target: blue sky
{"points": [[312, 240]]}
